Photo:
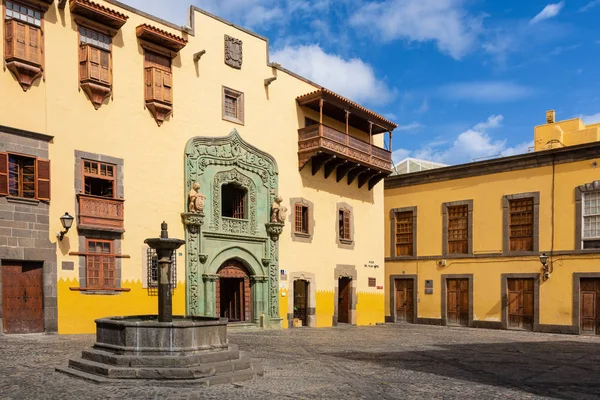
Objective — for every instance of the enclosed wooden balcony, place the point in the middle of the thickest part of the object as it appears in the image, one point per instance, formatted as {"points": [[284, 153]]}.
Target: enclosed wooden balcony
{"points": [[100, 213], [335, 151]]}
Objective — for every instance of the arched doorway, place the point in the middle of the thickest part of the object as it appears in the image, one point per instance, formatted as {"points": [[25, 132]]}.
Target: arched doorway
{"points": [[233, 292]]}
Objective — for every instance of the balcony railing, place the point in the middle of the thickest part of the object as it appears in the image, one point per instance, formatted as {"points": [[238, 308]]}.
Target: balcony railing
{"points": [[321, 138], [101, 213]]}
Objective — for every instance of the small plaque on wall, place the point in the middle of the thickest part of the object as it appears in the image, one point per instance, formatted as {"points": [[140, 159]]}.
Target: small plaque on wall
{"points": [[429, 286]]}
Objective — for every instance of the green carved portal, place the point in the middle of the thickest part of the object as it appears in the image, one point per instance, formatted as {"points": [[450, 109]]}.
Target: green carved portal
{"points": [[213, 239]]}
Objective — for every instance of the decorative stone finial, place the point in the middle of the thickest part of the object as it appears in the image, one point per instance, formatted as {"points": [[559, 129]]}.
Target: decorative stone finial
{"points": [[164, 234]]}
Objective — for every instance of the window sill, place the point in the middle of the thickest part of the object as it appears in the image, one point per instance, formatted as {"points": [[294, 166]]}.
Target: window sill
{"points": [[346, 241], [99, 291], [234, 120], [303, 235], [22, 200]]}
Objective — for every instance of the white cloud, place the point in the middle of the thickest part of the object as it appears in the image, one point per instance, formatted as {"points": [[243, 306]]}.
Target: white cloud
{"points": [[590, 119], [444, 22], [550, 11], [424, 107], [410, 127], [352, 78], [399, 155], [474, 143], [485, 91], [589, 6]]}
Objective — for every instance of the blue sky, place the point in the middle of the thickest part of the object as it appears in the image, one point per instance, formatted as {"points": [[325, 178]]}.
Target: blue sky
{"points": [[464, 79]]}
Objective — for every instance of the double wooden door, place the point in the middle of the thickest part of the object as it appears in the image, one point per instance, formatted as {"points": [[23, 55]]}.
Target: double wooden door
{"points": [[520, 303], [232, 299], [301, 301], [457, 304], [404, 300], [589, 305], [344, 294], [22, 298]]}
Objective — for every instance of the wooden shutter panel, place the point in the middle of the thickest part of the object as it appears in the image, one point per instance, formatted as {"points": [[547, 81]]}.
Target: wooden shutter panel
{"points": [[43, 179], [167, 91], [149, 85], [105, 67], [94, 62], [83, 62], [3, 173], [20, 42], [34, 47], [9, 45], [158, 84], [346, 224]]}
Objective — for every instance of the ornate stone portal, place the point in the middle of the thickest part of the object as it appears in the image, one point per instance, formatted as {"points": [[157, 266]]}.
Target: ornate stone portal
{"points": [[212, 239]]}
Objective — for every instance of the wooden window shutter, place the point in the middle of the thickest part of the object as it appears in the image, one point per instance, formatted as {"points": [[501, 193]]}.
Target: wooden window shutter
{"points": [[34, 49], [43, 179], [149, 85], [158, 84], [9, 44], [105, 67], [346, 224], [83, 62], [167, 92], [298, 217], [94, 62], [20, 42], [3, 174]]}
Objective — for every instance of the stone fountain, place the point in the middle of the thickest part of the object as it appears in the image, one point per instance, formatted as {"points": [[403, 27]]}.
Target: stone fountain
{"points": [[163, 347]]}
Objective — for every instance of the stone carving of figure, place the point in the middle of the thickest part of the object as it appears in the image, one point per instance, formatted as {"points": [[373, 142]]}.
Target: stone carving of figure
{"points": [[278, 211], [196, 199]]}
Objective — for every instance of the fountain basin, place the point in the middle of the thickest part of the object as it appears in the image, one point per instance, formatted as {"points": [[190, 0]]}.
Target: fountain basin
{"points": [[144, 335]]}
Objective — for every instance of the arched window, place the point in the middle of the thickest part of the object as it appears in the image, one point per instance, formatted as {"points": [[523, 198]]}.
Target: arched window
{"points": [[233, 201]]}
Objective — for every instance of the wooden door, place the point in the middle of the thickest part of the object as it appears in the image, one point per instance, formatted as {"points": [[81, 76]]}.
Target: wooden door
{"points": [[232, 299], [404, 300], [22, 298], [344, 294], [457, 302], [520, 303], [301, 301], [588, 306]]}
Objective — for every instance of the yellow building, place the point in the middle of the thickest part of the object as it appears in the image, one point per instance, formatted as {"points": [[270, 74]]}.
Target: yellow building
{"points": [[112, 115], [508, 243]]}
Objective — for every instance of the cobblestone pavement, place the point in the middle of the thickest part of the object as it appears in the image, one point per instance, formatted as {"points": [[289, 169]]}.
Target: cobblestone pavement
{"points": [[379, 362]]}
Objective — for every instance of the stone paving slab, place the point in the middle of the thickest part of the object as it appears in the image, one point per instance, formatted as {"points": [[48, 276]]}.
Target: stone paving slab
{"points": [[378, 362]]}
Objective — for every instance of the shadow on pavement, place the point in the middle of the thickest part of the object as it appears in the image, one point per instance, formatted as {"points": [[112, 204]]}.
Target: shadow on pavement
{"points": [[561, 369]]}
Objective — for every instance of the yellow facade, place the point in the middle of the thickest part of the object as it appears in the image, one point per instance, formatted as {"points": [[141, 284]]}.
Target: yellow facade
{"points": [[153, 158], [555, 176]]}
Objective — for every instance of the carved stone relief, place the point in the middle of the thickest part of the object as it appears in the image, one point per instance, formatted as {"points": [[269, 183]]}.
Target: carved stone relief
{"points": [[233, 52]]}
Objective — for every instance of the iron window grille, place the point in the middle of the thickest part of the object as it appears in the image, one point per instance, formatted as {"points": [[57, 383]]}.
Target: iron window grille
{"points": [[153, 272]]}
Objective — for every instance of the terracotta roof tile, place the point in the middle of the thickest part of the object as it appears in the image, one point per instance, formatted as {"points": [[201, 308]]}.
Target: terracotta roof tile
{"points": [[103, 8]]}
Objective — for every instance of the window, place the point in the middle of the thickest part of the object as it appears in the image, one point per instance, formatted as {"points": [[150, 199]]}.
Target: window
{"points": [[23, 42], [95, 65], [100, 265], [158, 77], [404, 233], [591, 220], [301, 219], [521, 224], [99, 179], [344, 224], [23, 176], [458, 234], [233, 106], [153, 269], [372, 282], [233, 201]]}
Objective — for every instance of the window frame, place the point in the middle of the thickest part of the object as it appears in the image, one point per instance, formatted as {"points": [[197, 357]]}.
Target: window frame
{"points": [[244, 202], [20, 180], [92, 27], [580, 193], [506, 222], [445, 227], [239, 96], [38, 178], [393, 213], [342, 240], [302, 220], [301, 236], [111, 257], [112, 179]]}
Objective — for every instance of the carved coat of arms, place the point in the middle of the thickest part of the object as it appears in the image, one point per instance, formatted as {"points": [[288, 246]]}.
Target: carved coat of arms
{"points": [[233, 52]]}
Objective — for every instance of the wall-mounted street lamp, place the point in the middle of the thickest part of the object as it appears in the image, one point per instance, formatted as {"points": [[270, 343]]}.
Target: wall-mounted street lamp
{"points": [[66, 222], [544, 262]]}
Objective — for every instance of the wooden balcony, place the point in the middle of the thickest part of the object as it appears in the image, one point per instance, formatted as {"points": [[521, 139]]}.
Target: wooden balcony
{"points": [[348, 156], [100, 213]]}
